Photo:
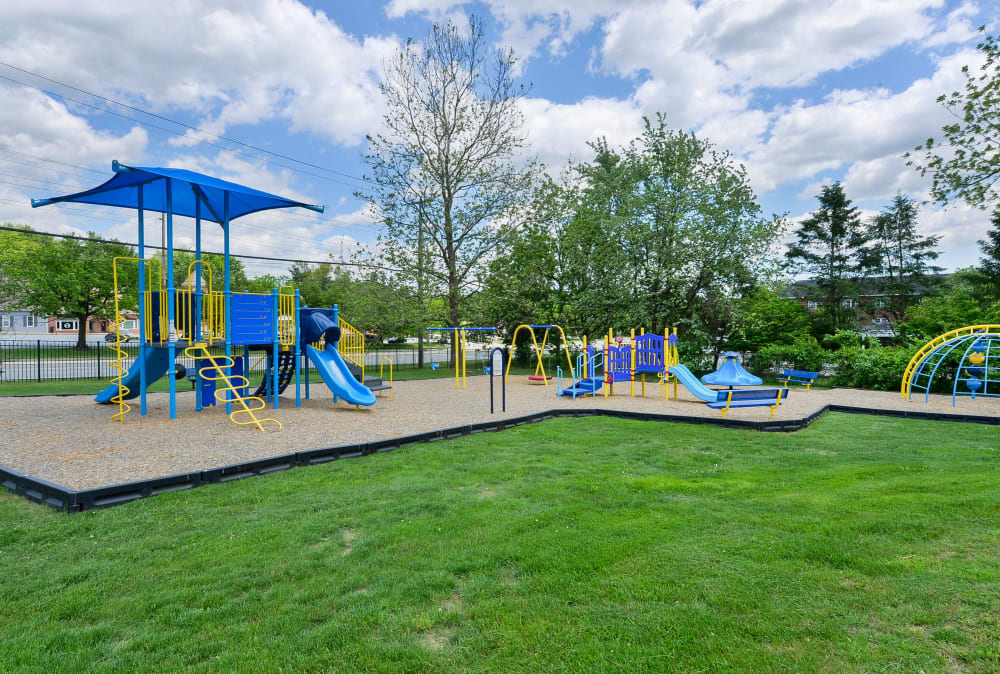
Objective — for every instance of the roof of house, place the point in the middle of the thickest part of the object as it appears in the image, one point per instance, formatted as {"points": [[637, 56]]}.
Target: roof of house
{"points": [[867, 287]]}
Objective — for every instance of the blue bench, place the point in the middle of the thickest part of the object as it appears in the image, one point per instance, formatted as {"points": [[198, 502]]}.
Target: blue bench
{"points": [[803, 377], [760, 397]]}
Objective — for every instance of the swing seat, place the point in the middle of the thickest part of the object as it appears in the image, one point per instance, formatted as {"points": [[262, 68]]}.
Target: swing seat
{"points": [[538, 377]]}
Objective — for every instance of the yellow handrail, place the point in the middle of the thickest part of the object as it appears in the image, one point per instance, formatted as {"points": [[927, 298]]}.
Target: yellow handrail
{"points": [[286, 318], [352, 344], [918, 357], [381, 364], [233, 384]]}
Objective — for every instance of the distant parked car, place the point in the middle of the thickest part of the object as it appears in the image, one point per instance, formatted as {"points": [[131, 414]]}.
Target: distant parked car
{"points": [[396, 340], [113, 337]]}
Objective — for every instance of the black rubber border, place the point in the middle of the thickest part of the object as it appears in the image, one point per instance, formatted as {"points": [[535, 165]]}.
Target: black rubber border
{"points": [[72, 501]]}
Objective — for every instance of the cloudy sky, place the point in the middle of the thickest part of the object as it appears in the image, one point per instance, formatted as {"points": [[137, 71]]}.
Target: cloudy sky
{"points": [[804, 92]]}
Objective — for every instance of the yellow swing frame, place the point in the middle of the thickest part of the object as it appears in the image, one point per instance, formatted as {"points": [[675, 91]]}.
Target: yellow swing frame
{"points": [[539, 350]]}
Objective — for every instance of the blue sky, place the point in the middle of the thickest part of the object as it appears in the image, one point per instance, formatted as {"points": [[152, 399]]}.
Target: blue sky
{"points": [[803, 92]]}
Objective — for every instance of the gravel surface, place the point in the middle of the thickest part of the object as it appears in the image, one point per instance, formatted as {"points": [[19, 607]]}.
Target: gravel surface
{"points": [[73, 442]]}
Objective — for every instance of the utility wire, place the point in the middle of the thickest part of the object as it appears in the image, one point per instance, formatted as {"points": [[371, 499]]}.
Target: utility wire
{"points": [[188, 250], [174, 121], [178, 133]]}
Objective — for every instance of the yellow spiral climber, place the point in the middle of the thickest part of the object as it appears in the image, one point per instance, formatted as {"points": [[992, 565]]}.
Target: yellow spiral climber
{"points": [[233, 383], [119, 364]]}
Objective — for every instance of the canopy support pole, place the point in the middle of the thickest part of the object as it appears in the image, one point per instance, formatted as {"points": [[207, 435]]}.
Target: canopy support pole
{"points": [[142, 306], [171, 301], [228, 289], [196, 328]]}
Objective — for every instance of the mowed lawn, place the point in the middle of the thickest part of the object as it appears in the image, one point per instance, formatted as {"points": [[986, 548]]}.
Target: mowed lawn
{"points": [[859, 544]]}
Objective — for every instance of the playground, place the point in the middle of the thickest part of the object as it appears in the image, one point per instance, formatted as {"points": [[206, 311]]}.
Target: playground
{"points": [[513, 514], [72, 442]]}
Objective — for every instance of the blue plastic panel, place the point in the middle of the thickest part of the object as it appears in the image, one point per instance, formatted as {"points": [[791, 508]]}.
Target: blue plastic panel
{"points": [[252, 319]]}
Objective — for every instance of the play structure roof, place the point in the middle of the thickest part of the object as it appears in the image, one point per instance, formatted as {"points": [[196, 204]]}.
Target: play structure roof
{"points": [[188, 188]]}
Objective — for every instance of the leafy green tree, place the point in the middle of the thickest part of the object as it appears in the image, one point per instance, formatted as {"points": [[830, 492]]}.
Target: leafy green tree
{"points": [[447, 172], [66, 277], [898, 259], [989, 264], [314, 283], [767, 318], [967, 165], [829, 247], [959, 302], [182, 267]]}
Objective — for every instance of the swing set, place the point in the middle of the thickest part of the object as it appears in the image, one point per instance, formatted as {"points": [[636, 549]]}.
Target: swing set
{"points": [[539, 350]]}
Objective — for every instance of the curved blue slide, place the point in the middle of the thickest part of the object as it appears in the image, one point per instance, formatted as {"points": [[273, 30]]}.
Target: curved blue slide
{"points": [[156, 366], [338, 376], [691, 383]]}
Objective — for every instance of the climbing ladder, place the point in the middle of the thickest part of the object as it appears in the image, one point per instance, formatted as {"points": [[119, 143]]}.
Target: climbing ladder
{"points": [[232, 384]]}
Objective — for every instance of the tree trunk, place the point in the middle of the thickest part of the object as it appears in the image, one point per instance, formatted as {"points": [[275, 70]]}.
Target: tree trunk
{"points": [[81, 333]]}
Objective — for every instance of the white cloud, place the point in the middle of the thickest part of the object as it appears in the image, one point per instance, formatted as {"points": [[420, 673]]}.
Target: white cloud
{"points": [[559, 132], [233, 63]]}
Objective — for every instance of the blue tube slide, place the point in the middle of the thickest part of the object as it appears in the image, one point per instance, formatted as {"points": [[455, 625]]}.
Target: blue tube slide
{"points": [[157, 361], [691, 383], [338, 377]]}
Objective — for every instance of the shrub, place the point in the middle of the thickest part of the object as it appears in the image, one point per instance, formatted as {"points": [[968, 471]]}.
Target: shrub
{"points": [[879, 368], [804, 353]]}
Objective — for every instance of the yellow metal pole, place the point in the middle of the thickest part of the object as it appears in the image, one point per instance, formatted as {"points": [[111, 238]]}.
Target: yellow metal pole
{"points": [[586, 360], [565, 343], [674, 360], [611, 379], [458, 349], [541, 352], [642, 333], [631, 375]]}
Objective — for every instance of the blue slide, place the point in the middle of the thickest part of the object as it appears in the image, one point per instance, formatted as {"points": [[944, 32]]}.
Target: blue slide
{"points": [[156, 367], [338, 376], [691, 383]]}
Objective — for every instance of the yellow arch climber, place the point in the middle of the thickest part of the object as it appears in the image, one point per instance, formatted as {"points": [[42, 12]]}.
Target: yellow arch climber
{"points": [[926, 349]]}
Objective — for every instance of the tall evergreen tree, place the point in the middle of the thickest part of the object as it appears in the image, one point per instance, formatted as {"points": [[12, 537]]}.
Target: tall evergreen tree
{"points": [[898, 258], [829, 246], [990, 247]]}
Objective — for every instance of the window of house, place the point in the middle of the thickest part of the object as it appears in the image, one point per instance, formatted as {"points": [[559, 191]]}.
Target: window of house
{"points": [[69, 324], [129, 325], [849, 303], [812, 304], [30, 321], [5, 321]]}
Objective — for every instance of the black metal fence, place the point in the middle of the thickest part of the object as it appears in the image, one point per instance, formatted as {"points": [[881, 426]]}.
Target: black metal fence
{"points": [[41, 360]]}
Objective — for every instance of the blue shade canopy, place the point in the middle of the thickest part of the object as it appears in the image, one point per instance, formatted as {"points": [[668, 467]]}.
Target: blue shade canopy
{"points": [[187, 189]]}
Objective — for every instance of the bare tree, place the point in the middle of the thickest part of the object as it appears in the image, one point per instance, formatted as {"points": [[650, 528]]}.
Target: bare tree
{"points": [[447, 167]]}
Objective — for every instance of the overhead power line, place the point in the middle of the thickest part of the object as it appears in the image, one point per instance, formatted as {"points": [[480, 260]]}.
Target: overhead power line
{"points": [[133, 108], [188, 250]]}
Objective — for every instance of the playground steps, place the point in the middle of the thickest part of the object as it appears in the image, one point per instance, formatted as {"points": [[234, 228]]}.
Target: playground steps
{"points": [[591, 385], [373, 384]]}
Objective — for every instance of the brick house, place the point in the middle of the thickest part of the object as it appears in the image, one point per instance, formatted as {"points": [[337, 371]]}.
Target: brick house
{"points": [[873, 304]]}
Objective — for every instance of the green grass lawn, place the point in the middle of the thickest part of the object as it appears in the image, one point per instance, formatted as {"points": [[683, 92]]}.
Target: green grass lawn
{"points": [[859, 544]]}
